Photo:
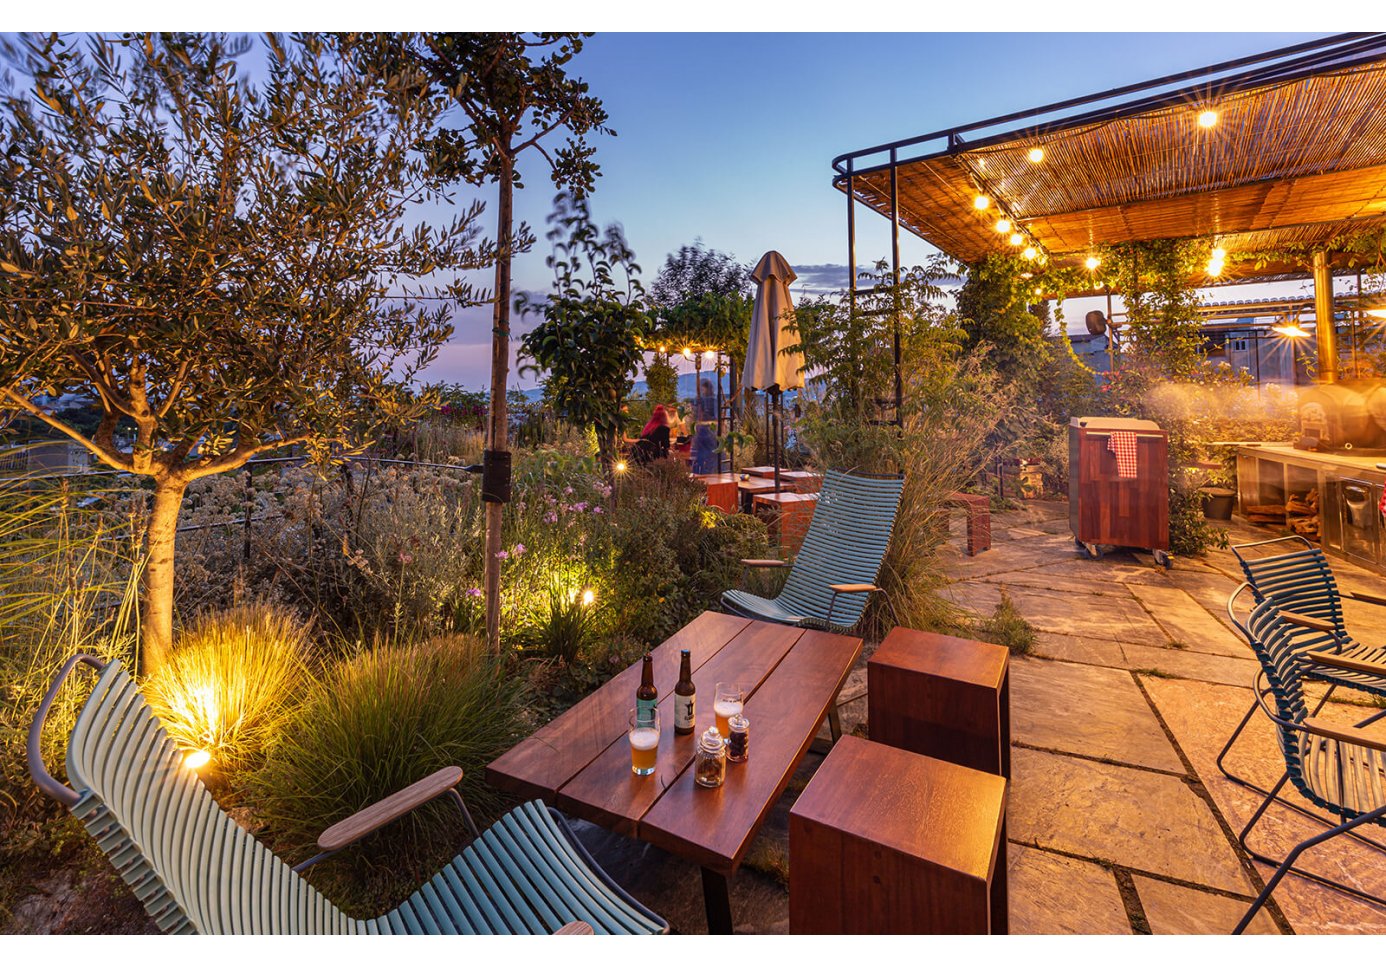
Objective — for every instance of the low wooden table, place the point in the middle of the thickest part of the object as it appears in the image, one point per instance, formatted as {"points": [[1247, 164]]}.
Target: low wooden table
{"points": [[751, 486], [580, 762], [722, 491]]}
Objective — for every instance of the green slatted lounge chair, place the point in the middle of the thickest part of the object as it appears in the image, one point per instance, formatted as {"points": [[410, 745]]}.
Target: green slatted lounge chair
{"points": [[1296, 576], [1341, 769], [198, 872], [834, 574]]}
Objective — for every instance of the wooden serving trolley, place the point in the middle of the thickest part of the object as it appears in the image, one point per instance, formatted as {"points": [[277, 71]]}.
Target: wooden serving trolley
{"points": [[1105, 508]]}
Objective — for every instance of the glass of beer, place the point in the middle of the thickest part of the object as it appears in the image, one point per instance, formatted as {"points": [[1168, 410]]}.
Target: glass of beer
{"points": [[726, 704], [644, 741]]}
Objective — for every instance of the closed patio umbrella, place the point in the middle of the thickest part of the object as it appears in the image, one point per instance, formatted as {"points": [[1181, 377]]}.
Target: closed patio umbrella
{"points": [[768, 367]]}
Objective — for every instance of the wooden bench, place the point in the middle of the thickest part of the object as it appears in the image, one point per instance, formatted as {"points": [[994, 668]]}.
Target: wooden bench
{"points": [[978, 509], [941, 696], [884, 841]]}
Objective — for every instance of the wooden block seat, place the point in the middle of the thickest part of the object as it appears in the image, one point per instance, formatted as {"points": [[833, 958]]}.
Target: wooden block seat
{"points": [[722, 491], [885, 841], [978, 508], [787, 516]]}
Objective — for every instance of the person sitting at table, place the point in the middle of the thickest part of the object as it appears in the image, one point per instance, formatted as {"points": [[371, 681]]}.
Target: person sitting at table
{"points": [[654, 439], [678, 428]]}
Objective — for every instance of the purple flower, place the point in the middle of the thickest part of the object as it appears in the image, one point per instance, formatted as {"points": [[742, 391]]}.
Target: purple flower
{"points": [[598, 510], [473, 592], [518, 550], [551, 518], [580, 506], [567, 490], [502, 555], [405, 558]]}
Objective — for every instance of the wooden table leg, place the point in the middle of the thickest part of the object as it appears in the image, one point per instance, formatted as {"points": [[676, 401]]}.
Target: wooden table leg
{"points": [[717, 901]]}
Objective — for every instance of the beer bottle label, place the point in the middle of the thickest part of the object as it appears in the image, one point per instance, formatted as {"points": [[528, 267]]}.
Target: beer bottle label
{"points": [[645, 707], [683, 711]]}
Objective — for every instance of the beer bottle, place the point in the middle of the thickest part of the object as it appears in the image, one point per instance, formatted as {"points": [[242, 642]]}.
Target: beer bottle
{"points": [[646, 696], [685, 695]]}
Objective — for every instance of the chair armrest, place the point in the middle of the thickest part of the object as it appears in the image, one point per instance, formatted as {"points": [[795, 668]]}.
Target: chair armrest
{"points": [[1346, 662], [1367, 597], [575, 927], [372, 818], [1345, 734], [763, 563], [859, 587], [1306, 621]]}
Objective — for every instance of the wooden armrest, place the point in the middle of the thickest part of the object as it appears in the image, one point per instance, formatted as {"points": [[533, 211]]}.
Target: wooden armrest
{"points": [[1367, 597], [1307, 621], [845, 589], [575, 927], [764, 563], [1345, 734], [396, 805], [1346, 662]]}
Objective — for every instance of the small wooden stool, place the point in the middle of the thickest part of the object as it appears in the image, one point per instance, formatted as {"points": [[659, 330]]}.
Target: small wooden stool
{"points": [[884, 841], [942, 696], [978, 509], [722, 491], [787, 516], [749, 488]]}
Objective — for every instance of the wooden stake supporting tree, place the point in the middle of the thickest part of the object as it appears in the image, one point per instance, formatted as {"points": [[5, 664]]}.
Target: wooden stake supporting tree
{"points": [[223, 266]]}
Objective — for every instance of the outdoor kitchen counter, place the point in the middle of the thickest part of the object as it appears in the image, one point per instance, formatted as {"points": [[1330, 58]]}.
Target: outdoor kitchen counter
{"points": [[1286, 452]]}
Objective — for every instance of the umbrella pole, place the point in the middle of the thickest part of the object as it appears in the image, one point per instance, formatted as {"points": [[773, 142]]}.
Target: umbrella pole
{"points": [[779, 429]]}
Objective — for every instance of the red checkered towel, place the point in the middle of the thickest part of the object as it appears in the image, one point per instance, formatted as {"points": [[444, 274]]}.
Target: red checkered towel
{"points": [[1123, 444]]}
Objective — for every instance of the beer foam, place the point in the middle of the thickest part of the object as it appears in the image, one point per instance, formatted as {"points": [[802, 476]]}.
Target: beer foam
{"points": [[644, 738]]}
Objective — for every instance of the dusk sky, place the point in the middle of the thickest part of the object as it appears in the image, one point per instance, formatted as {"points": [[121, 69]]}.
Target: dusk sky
{"points": [[729, 137]]}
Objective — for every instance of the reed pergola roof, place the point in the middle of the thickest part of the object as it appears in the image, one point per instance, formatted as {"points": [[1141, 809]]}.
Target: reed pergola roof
{"points": [[1297, 157]]}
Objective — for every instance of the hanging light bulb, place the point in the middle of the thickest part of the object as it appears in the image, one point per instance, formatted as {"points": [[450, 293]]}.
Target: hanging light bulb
{"points": [[1092, 263], [1036, 155], [688, 353], [1219, 254], [1207, 118], [1017, 239], [1003, 225], [1029, 253], [981, 203]]}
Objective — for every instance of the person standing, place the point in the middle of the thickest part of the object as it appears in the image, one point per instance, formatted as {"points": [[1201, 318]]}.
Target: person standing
{"points": [[705, 460]]}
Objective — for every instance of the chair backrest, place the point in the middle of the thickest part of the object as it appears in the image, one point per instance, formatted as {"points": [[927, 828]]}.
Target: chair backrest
{"points": [[1279, 646], [845, 544], [1298, 579], [195, 869]]}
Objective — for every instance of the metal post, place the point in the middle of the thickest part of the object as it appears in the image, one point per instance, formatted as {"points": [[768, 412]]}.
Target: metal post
{"points": [[895, 279], [1326, 337], [1111, 334], [851, 264], [249, 509]]}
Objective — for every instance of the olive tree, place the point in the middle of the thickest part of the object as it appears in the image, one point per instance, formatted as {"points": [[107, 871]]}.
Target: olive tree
{"points": [[228, 267]]}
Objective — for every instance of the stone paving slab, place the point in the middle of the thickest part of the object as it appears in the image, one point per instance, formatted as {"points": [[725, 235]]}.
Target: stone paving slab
{"points": [[1101, 617], [1146, 821], [1044, 579], [1053, 894], [1176, 663], [1087, 710], [1175, 909], [1202, 716], [1190, 623]]}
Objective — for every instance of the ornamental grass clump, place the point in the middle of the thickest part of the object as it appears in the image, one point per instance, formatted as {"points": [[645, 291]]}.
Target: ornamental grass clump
{"points": [[230, 685], [374, 724]]}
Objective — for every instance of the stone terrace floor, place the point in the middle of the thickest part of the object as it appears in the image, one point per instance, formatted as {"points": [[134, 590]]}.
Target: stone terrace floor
{"points": [[1119, 820]]}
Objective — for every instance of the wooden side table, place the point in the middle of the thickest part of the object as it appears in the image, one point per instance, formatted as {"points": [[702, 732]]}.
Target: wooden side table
{"points": [[943, 697], [884, 841], [722, 491]]}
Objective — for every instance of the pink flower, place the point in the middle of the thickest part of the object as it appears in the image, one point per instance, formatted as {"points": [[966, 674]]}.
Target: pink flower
{"points": [[598, 510], [502, 555], [518, 550], [580, 506], [473, 592], [405, 558], [551, 518], [567, 490]]}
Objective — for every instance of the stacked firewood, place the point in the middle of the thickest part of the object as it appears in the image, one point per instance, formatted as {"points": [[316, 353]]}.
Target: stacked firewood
{"points": [[1302, 513], [1265, 513]]}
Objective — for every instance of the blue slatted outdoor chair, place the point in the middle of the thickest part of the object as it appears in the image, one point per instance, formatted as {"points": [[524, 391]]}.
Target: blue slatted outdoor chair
{"points": [[834, 574], [1341, 769], [1296, 576], [198, 872]]}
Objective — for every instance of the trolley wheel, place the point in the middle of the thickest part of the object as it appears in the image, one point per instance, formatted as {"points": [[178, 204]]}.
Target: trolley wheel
{"points": [[1163, 559], [1090, 550]]}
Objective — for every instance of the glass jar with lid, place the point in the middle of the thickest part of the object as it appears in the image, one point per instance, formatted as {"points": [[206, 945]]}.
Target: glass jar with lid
{"points": [[710, 762]]}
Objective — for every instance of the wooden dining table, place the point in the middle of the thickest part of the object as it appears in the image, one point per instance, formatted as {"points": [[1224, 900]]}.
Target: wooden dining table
{"points": [[580, 762]]}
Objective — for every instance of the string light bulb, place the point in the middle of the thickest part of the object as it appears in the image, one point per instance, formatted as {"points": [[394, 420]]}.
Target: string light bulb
{"points": [[1036, 155], [709, 355], [1003, 225], [981, 203], [1030, 253], [1017, 239], [1207, 118], [1092, 263], [1219, 254]]}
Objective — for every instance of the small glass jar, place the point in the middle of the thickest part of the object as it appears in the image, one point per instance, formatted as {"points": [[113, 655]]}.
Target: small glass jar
{"points": [[710, 762], [739, 742]]}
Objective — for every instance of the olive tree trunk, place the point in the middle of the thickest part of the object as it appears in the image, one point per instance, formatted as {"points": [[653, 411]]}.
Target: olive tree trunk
{"points": [[156, 615]]}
